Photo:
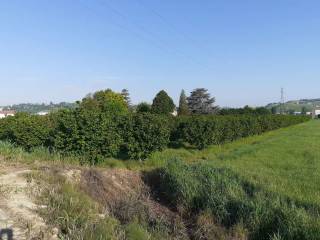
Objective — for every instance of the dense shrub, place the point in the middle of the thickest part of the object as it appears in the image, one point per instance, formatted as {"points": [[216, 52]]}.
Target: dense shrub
{"points": [[245, 110], [97, 135], [145, 133], [199, 131], [97, 129], [202, 131], [91, 134], [233, 201], [143, 108], [25, 130]]}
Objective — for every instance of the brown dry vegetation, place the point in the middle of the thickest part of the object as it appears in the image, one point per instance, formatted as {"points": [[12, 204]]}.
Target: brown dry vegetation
{"points": [[128, 195], [125, 196]]}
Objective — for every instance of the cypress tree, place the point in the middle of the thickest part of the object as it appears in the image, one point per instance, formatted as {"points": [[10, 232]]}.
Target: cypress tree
{"points": [[126, 96], [162, 103], [183, 104]]}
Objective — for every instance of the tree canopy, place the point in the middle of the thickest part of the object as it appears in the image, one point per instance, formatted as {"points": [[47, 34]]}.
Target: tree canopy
{"points": [[162, 103], [201, 102], [105, 101], [143, 108]]}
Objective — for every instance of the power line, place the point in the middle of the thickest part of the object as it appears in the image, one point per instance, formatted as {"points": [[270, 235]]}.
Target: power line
{"points": [[162, 45], [172, 26]]}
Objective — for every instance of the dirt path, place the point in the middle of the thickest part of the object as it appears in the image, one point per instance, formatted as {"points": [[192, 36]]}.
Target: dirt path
{"points": [[18, 218]]}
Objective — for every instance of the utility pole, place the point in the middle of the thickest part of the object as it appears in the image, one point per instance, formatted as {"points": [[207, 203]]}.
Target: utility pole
{"points": [[282, 102]]}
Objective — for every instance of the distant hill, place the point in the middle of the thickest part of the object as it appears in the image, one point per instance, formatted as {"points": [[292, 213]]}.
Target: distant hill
{"points": [[36, 107], [297, 105]]}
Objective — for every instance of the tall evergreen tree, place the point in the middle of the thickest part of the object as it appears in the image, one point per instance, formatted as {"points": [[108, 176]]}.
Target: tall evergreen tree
{"points": [[126, 96], [162, 103], [200, 102], [183, 104]]}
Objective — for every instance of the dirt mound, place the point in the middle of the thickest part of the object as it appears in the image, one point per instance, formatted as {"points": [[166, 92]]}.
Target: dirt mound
{"points": [[111, 186], [124, 194]]}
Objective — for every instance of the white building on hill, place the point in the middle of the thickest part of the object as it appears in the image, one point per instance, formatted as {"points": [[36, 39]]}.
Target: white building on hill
{"points": [[43, 113], [6, 113], [316, 113]]}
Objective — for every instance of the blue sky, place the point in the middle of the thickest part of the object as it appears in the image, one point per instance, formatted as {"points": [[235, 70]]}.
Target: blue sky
{"points": [[242, 51]]}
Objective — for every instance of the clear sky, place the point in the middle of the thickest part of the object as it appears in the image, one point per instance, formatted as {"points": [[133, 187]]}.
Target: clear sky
{"points": [[242, 51]]}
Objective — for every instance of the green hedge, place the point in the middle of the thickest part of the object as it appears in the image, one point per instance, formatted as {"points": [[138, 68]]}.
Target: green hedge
{"points": [[95, 135], [90, 134], [145, 133], [25, 130], [202, 131]]}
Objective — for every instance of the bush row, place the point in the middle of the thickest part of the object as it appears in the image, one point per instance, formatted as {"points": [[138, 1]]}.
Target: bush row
{"points": [[201, 131], [96, 135], [93, 135]]}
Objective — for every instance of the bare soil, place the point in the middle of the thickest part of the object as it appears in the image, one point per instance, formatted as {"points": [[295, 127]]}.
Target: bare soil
{"points": [[18, 217]]}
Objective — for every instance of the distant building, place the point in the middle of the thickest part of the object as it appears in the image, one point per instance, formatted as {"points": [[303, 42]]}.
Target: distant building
{"points": [[43, 113], [316, 113], [297, 113], [7, 113]]}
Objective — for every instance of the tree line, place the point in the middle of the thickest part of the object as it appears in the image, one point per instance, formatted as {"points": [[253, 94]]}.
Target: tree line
{"points": [[104, 124], [199, 102]]}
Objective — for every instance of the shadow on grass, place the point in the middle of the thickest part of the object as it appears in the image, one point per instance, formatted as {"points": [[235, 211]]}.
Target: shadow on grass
{"points": [[152, 179]]}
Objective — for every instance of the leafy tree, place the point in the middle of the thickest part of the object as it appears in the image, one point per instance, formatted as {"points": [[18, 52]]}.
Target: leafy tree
{"points": [[162, 103], [304, 110], [105, 101], [200, 102], [125, 94], [183, 104], [143, 108]]}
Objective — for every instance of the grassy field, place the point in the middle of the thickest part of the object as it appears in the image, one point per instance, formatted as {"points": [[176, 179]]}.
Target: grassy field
{"points": [[286, 161], [267, 184]]}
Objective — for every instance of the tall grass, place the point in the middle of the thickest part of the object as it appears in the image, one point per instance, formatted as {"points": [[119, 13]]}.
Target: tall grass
{"points": [[233, 201], [14, 154]]}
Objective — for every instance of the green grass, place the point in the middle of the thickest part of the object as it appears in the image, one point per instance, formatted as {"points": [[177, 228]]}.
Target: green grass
{"points": [[285, 161], [269, 183]]}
